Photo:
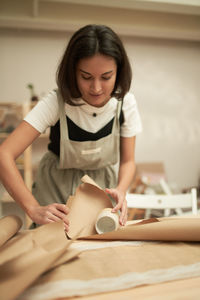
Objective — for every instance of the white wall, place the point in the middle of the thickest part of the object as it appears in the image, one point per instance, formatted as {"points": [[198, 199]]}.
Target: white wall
{"points": [[165, 82], [28, 57]]}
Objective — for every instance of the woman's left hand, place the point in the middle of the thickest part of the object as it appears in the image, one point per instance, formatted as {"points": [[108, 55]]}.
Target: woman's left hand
{"points": [[121, 205]]}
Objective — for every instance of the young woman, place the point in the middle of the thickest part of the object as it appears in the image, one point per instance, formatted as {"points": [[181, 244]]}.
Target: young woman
{"points": [[93, 120]]}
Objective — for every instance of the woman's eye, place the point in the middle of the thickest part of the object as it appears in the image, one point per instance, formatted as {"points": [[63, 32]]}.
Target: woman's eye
{"points": [[86, 78], [106, 78]]}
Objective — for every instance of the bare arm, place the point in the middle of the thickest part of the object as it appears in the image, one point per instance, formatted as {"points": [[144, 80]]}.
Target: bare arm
{"points": [[126, 174], [10, 149], [127, 163]]}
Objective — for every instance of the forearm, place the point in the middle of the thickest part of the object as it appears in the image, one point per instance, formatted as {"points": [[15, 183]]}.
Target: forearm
{"points": [[126, 175], [14, 184], [17, 142]]}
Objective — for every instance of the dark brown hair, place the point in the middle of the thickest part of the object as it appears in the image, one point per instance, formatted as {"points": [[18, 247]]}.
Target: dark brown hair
{"points": [[86, 42]]}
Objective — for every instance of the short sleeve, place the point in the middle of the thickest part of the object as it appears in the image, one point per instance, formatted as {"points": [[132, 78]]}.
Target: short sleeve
{"points": [[132, 124], [45, 113]]}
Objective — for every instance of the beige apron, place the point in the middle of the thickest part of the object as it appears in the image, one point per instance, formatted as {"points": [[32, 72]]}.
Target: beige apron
{"points": [[57, 179], [88, 155]]}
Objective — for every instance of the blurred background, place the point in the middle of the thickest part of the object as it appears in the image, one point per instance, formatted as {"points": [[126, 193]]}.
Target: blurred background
{"points": [[162, 39]]}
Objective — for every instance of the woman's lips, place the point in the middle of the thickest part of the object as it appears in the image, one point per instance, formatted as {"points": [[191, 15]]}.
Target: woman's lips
{"points": [[96, 95]]}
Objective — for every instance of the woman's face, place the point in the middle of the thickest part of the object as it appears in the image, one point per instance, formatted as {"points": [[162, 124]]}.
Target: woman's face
{"points": [[96, 77]]}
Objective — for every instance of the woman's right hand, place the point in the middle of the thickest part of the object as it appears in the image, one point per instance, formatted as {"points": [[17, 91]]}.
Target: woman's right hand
{"points": [[10, 149], [51, 213]]}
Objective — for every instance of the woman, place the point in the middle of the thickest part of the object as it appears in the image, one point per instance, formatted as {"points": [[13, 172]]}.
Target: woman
{"points": [[93, 120]]}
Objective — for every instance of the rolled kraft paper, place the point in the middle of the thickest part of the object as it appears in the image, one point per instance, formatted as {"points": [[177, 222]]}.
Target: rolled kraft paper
{"points": [[9, 226], [107, 221]]}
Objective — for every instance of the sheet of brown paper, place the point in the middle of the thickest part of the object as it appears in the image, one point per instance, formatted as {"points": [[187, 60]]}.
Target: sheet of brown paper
{"points": [[117, 268], [29, 254], [25, 257], [180, 229], [9, 226], [89, 200], [178, 289]]}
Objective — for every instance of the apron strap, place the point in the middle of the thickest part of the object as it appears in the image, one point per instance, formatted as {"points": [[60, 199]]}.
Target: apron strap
{"points": [[63, 122], [117, 116]]}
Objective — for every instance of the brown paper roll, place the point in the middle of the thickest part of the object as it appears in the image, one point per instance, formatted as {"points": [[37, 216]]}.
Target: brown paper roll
{"points": [[107, 221], [9, 225]]}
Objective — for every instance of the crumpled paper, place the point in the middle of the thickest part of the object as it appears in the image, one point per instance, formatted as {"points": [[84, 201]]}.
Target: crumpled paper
{"points": [[89, 200], [29, 254]]}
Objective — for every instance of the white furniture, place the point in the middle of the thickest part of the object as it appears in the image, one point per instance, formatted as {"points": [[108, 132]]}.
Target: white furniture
{"points": [[162, 201]]}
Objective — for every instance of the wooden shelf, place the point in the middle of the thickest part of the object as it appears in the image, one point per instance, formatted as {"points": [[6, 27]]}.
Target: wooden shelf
{"points": [[155, 19]]}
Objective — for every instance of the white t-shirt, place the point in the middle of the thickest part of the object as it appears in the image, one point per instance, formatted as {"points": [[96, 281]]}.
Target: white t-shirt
{"points": [[46, 114]]}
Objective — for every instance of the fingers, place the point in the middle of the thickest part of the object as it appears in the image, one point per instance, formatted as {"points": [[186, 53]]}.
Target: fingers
{"points": [[117, 207], [62, 207], [57, 212], [121, 204], [123, 215], [123, 208], [114, 194], [109, 191], [52, 220], [117, 198], [51, 213]]}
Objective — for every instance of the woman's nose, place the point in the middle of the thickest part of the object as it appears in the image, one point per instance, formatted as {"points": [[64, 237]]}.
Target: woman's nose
{"points": [[96, 86]]}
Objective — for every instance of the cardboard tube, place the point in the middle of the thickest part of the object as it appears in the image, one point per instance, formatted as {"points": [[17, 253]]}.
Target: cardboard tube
{"points": [[107, 221]]}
